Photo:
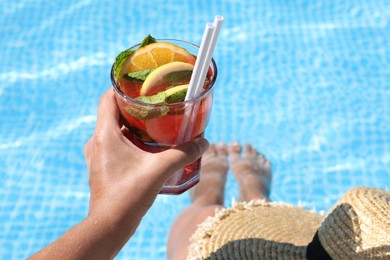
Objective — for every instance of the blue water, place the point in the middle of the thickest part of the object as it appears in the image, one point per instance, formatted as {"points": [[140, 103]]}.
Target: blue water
{"points": [[306, 82]]}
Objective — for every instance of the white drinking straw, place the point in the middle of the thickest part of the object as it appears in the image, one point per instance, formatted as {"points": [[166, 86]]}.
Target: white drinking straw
{"points": [[202, 53], [205, 67], [206, 62], [200, 60], [199, 73]]}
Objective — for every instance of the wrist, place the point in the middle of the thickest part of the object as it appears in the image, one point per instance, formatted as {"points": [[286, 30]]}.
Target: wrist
{"points": [[115, 231], [113, 219]]}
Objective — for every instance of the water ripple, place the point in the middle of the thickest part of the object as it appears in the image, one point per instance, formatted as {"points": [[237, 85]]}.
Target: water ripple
{"points": [[59, 130], [97, 59]]}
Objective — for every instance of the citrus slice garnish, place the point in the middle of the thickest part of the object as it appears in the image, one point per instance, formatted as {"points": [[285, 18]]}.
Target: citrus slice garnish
{"points": [[154, 55], [168, 75], [169, 96], [176, 94]]}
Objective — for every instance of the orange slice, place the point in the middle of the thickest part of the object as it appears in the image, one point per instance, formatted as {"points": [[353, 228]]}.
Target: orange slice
{"points": [[154, 55]]}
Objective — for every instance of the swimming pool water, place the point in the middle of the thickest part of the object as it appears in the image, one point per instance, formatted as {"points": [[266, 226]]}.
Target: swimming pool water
{"points": [[306, 82]]}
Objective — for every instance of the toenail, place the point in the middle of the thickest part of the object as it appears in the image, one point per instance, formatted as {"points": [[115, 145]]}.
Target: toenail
{"points": [[221, 144]]}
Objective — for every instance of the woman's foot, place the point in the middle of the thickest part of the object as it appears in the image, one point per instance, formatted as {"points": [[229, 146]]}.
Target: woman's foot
{"points": [[252, 171], [211, 187]]}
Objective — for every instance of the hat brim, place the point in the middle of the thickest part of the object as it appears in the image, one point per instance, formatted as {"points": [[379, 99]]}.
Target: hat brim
{"points": [[257, 229]]}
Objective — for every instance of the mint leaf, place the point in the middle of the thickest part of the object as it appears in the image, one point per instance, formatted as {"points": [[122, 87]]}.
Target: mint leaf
{"points": [[144, 113], [179, 77], [148, 40], [122, 57], [177, 96], [169, 96], [119, 60], [139, 75], [158, 98]]}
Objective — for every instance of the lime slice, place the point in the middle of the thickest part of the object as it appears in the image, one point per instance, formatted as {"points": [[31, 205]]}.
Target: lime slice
{"points": [[168, 75], [176, 94], [169, 96]]}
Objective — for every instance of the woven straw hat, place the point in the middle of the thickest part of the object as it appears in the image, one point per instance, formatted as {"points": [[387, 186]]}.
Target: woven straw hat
{"points": [[358, 227]]}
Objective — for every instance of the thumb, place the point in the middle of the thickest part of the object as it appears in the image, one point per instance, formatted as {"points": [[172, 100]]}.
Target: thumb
{"points": [[182, 155]]}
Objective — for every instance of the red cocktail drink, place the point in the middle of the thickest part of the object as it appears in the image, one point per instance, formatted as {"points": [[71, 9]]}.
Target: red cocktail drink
{"points": [[153, 108]]}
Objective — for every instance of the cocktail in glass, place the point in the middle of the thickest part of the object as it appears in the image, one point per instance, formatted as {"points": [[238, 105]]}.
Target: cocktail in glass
{"points": [[157, 127]]}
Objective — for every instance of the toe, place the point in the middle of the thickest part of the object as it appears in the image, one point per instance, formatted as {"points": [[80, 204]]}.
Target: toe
{"points": [[221, 149], [261, 158], [267, 168], [234, 152], [235, 149], [211, 152], [267, 164], [250, 151]]}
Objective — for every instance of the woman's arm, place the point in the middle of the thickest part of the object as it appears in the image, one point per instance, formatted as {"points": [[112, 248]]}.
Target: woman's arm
{"points": [[124, 182]]}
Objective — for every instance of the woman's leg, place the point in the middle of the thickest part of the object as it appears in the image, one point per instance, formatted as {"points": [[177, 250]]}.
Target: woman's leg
{"points": [[206, 196], [253, 174]]}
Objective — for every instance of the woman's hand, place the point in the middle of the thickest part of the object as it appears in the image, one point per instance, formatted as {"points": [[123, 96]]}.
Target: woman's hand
{"points": [[124, 179]]}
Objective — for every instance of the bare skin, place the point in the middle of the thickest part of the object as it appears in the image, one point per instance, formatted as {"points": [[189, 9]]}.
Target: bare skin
{"points": [[124, 183], [252, 172], [206, 196], [215, 166]]}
